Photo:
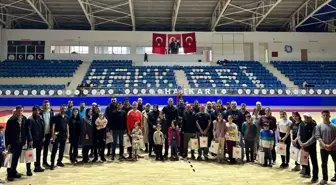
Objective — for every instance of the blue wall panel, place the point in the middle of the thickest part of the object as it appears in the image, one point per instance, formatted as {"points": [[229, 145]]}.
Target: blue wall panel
{"points": [[162, 100]]}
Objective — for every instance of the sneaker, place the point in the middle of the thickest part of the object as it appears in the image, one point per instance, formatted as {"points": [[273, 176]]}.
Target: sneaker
{"points": [[333, 179], [323, 182], [199, 158], [314, 180], [10, 179], [270, 165], [296, 168], [38, 169], [103, 159], [29, 173], [46, 165], [94, 160], [52, 167], [193, 157], [2, 181], [282, 165], [60, 164], [305, 176], [112, 158], [303, 171], [17, 176], [285, 165], [206, 158]]}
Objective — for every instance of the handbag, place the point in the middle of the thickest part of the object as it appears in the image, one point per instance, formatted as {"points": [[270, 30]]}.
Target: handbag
{"points": [[30, 155], [214, 147], [236, 152], [127, 142], [8, 160], [294, 153], [261, 157], [193, 144], [281, 149], [304, 157], [203, 141], [109, 138]]}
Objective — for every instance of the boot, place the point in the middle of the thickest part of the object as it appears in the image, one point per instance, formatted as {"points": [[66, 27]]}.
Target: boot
{"points": [[296, 168]]}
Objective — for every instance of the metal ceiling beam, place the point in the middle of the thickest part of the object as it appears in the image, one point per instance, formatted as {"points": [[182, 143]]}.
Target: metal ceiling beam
{"points": [[317, 8], [220, 8], [112, 7], [175, 13], [43, 11], [265, 14], [131, 7], [87, 12]]}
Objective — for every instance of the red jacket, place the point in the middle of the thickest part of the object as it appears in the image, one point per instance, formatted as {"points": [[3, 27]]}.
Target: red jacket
{"points": [[170, 136], [132, 118]]}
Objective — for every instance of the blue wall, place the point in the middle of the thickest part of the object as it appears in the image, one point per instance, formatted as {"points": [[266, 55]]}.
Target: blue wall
{"points": [[162, 100]]}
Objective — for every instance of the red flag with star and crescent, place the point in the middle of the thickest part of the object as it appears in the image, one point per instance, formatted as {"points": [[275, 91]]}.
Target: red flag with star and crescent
{"points": [[189, 42], [159, 43]]}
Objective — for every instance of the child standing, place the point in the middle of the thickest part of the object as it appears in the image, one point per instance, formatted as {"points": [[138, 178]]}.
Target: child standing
{"points": [[158, 138], [231, 138], [249, 132], [266, 143], [173, 140], [2, 148], [219, 131], [136, 136], [101, 123]]}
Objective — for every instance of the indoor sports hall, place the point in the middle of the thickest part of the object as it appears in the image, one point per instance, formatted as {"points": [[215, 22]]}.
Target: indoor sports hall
{"points": [[226, 57]]}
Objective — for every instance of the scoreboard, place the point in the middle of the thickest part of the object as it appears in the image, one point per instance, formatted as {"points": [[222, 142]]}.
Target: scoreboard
{"points": [[25, 50]]}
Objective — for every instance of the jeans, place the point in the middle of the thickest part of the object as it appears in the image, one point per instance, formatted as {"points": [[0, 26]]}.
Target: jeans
{"points": [[200, 150], [118, 134], [249, 149], [313, 158], [173, 148], [38, 147], [324, 157], [16, 150], [46, 147], [268, 156], [242, 145], [61, 144]]}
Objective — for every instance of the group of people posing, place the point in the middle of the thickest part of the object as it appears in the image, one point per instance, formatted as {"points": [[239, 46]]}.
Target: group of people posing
{"points": [[136, 126]]}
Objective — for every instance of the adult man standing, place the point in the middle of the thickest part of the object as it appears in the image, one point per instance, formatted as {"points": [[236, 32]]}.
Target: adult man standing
{"points": [[108, 114], [36, 125], [307, 141], [268, 118], [188, 129], [326, 135], [140, 105], [69, 109], [196, 107], [118, 129], [145, 124], [81, 111], [16, 135], [127, 107], [60, 134], [133, 116], [171, 113], [203, 122], [46, 113]]}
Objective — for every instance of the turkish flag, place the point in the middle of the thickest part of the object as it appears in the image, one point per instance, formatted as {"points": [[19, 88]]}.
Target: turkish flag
{"points": [[174, 41], [189, 42], [159, 43]]}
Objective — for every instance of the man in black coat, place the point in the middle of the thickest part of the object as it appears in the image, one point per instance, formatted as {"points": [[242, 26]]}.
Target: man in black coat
{"points": [[152, 121], [46, 113], [188, 129], [59, 134], [36, 125], [16, 135], [108, 114]]}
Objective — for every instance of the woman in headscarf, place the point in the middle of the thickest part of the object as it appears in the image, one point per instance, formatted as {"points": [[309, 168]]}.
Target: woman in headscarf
{"points": [[74, 129], [145, 125], [86, 134], [152, 118]]}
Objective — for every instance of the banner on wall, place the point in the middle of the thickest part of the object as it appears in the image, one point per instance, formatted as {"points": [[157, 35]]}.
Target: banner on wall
{"points": [[172, 43]]}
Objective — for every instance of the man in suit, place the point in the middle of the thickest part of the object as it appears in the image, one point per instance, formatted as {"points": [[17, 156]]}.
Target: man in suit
{"points": [[36, 125], [59, 134], [46, 113], [16, 135]]}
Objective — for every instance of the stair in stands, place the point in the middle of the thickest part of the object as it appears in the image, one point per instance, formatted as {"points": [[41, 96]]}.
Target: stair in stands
{"points": [[79, 75], [279, 75], [181, 79]]}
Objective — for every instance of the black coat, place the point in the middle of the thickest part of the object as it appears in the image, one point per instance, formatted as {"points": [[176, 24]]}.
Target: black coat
{"points": [[74, 129], [109, 111], [13, 130], [152, 118], [87, 129], [189, 122], [171, 113], [36, 125]]}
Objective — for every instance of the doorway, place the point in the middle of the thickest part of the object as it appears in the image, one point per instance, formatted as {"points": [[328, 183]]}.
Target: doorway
{"points": [[304, 55]]}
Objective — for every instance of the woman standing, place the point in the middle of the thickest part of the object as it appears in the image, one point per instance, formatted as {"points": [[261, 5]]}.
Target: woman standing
{"points": [[74, 129], [86, 134], [164, 128], [219, 131], [256, 120], [294, 129], [152, 118], [284, 137], [145, 114]]}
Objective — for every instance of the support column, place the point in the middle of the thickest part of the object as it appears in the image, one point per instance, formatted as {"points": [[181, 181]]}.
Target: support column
{"points": [[256, 52]]}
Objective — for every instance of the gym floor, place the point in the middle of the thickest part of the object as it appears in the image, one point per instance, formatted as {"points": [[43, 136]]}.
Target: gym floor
{"points": [[150, 172]]}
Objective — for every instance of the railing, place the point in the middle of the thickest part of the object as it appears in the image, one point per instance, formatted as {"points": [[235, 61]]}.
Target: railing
{"points": [[99, 91]]}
